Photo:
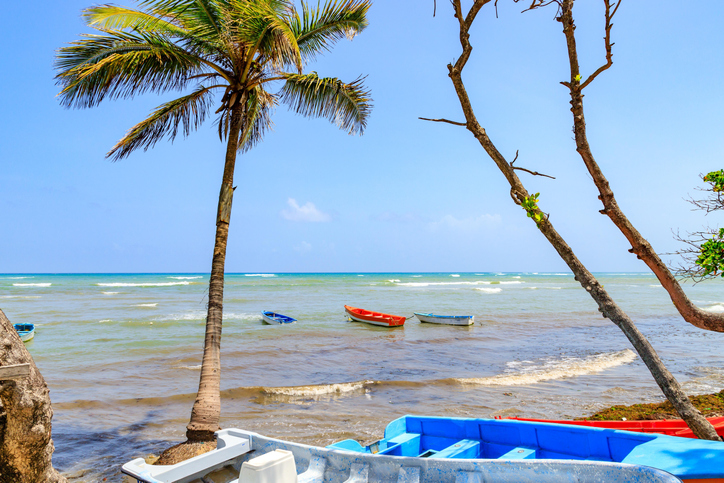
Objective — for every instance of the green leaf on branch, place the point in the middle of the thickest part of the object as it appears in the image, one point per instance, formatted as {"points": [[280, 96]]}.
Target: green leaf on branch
{"points": [[530, 205], [711, 258], [716, 178]]}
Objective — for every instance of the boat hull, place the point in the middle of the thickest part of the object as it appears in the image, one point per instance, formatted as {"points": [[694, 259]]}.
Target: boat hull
{"points": [[374, 318], [25, 331], [671, 427], [324, 465], [272, 318], [446, 319], [502, 439]]}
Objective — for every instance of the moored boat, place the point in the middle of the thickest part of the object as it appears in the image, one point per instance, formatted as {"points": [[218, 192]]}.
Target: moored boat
{"points": [[272, 318], [446, 319], [242, 457], [504, 439], [374, 318], [671, 427], [25, 331]]}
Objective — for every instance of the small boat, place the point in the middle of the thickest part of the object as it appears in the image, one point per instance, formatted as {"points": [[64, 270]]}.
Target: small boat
{"points": [[374, 318], [446, 319], [272, 318], [507, 439], [245, 457], [671, 427], [25, 331]]}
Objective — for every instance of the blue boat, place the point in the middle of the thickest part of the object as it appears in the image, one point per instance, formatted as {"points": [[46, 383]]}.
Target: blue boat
{"points": [[446, 319], [243, 457], [500, 439], [25, 331], [272, 318]]}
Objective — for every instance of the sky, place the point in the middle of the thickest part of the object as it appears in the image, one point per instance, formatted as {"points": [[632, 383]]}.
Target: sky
{"points": [[408, 195]]}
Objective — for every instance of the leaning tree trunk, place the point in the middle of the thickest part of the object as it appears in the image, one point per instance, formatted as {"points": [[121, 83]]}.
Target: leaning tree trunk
{"points": [[206, 411], [26, 447], [639, 245], [606, 305]]}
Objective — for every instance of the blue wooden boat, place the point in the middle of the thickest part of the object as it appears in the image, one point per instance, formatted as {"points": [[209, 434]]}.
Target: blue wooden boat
{"points": [[25, 331], [501, 439], [245, 457], [446, 319], [272, 318]]}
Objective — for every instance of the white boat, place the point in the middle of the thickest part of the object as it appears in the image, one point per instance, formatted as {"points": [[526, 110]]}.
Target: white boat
{"points": [[251, 458], [446, 319], [272, 318]]}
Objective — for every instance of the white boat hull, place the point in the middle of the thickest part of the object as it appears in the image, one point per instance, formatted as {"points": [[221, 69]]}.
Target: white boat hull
{"points": [[325, 465], [371, 322], [447, 320]]}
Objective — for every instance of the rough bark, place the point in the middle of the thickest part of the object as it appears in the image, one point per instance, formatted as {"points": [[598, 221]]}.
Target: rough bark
{"points": [[606, 305], [206, 411], [26, 446], [639, 245]]}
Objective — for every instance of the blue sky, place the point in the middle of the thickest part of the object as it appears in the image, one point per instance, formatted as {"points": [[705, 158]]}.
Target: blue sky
{"points": [[409, 195]]}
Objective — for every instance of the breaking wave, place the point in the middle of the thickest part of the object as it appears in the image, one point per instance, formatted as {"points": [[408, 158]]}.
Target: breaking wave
{"points": [[32, 284], [532, 373], [489, 290], [260, 275], [318, 390], [187, 278], [144, 284]]}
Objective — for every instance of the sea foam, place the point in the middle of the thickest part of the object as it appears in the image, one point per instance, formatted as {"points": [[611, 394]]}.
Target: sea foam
{"points": [[146, 284], [318, 390], [555, 369], [32, 284]]}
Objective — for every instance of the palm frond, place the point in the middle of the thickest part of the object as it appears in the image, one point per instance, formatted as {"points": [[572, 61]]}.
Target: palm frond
{"points": [[346, 105], [122, 65], [112, 17], [317, 30], [185, 113]]}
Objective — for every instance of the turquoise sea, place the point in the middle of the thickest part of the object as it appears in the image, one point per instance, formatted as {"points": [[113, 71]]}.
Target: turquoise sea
{"points": [[121, 353]]}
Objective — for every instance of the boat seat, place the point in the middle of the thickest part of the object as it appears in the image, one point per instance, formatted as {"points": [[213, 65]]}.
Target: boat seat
{"points": [[315, 471], [406, 444], [358, 473], [409, 474], [519, 453], [465, 448]]}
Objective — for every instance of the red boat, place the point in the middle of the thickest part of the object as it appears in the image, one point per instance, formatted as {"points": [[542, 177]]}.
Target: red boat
{"points": [[374, 318], [671, 427]]}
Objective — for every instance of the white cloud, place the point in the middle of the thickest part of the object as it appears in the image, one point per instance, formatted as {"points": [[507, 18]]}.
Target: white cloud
{"points": [[308, 212], [450, 222]]}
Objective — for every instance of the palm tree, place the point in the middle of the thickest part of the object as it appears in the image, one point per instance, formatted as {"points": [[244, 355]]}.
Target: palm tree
{"points": [[226, 54]]}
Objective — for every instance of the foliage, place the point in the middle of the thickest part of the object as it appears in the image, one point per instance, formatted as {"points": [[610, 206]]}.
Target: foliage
{"points": [[711, 258], [716, 178], [530, 205], [224, 53]]}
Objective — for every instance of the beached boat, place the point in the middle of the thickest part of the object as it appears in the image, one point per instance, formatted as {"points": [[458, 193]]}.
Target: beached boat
{"points": [[374, 318], [504, 439], [25, 331], [245, 457], [671, 427], [446, 319], [272, 318]]}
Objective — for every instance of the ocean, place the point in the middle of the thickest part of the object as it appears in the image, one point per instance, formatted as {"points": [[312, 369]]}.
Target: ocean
{"points": [[121, 353]]}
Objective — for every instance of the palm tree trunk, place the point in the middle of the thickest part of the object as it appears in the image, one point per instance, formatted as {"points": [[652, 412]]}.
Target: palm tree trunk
{"points": [[206, 411], [606, 305]]}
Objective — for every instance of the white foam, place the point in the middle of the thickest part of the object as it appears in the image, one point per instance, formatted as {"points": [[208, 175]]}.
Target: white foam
{"points": [[394, 280], [717, 308], [489, 290], [454, 275], [187, 278], [109, 293], [146, 305], [201, 315], [428, 284], [147, 284], [555, 369], [193, 368], [105, 320], [259, 275], [531, 288], [656, 285], [16, 278], [318, 390], [416, 276], [20, 297], [360, 275], [32, 284], [510, 283], [517, 276]]}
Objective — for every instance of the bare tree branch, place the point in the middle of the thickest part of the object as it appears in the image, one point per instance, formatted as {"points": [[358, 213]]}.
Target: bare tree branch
{"points": [[607, 41], [443, 120], [534, 173]]}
